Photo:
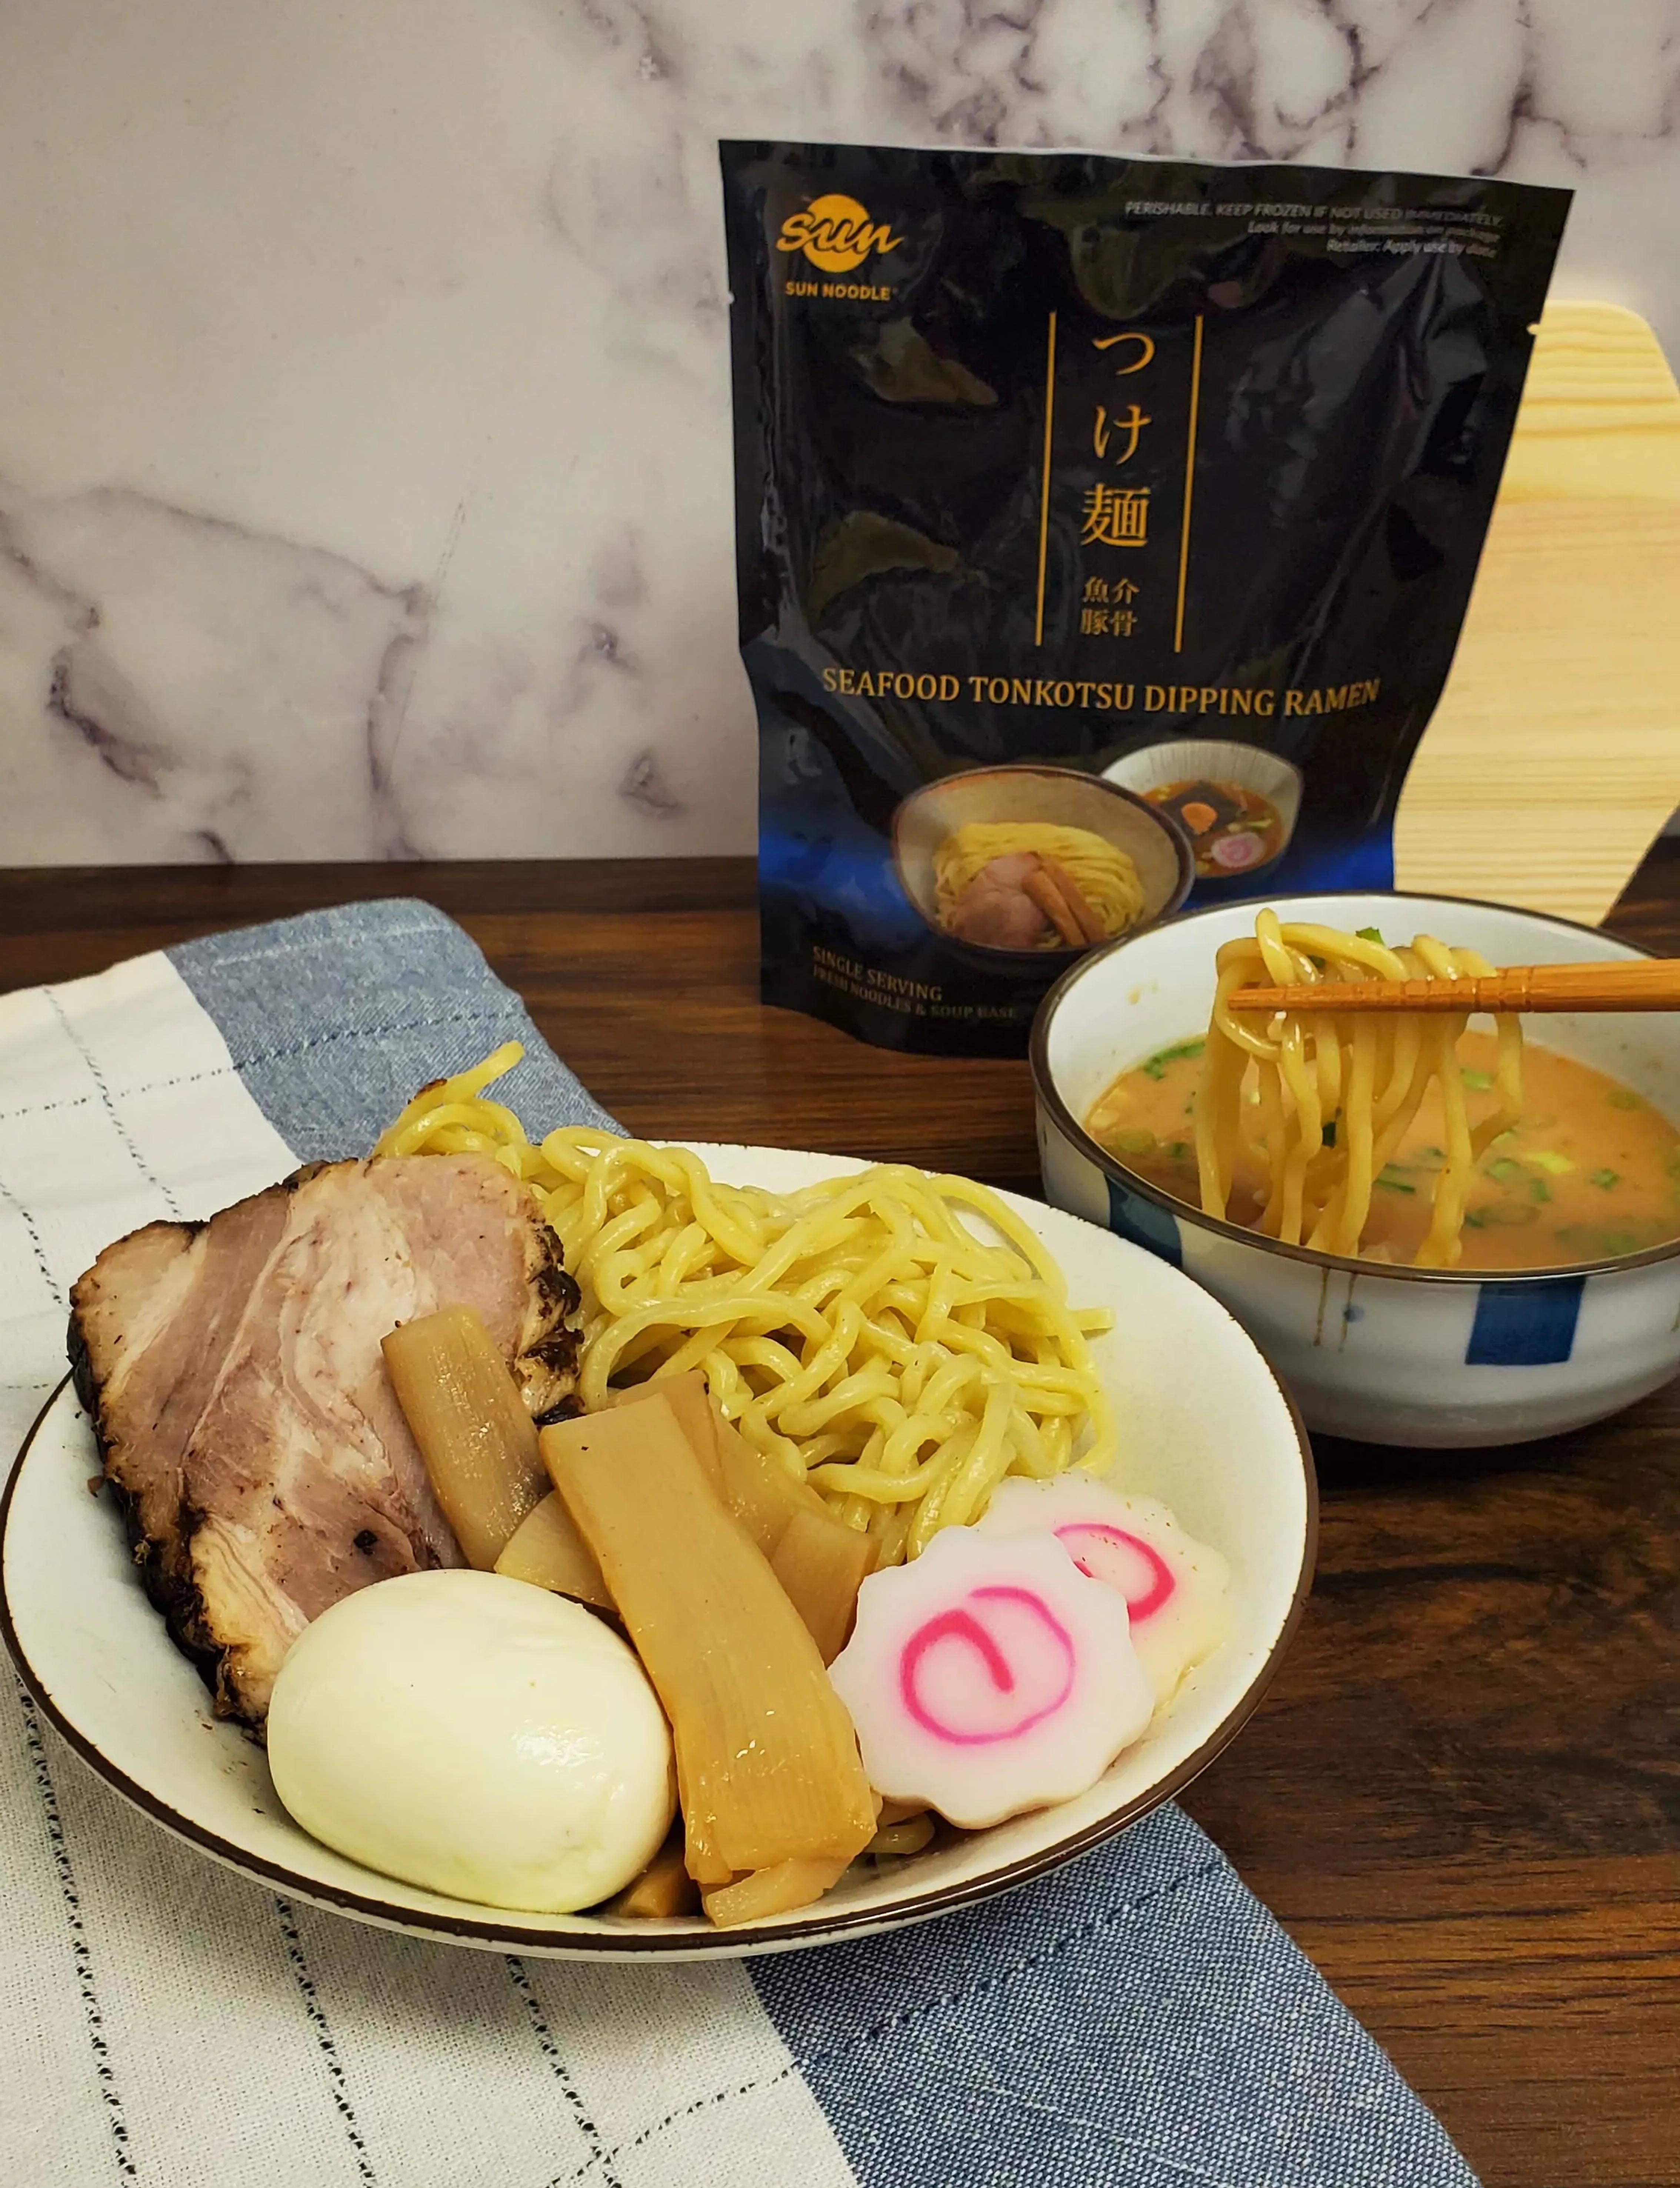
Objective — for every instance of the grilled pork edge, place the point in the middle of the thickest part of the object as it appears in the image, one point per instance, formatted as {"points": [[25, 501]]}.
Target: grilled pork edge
{"points": [[161, 1526]]}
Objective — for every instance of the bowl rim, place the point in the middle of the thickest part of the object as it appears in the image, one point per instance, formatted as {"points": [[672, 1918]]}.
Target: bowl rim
{"points": [[1231, 744], [1042, 960], [688, 1945], [1049, 1095]]}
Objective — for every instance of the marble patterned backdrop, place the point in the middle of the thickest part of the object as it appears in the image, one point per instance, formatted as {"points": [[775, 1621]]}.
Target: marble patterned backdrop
{"points": [[365, 446]]}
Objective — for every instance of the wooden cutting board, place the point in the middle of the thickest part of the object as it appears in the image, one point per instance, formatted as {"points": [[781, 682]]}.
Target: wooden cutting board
{"points": [[1553, 758]]}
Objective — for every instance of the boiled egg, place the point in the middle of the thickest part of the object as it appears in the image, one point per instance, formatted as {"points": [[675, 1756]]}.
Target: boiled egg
{"points": [[477, 1736]]}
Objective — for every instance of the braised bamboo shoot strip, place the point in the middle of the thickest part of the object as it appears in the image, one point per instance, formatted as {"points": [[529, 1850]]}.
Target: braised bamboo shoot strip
{"points": [[685, 1394], [819, 1559], [663, 1889], [465, 1411], [767, 1759], [776, 1891], [820, 1562], [762, 1491], [547, 1550]]}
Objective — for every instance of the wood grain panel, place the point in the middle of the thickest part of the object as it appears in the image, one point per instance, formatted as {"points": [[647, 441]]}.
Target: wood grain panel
{"points": [[1554, 757]]}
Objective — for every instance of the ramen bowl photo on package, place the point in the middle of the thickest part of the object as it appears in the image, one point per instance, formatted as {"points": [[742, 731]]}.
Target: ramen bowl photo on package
{"points": [[1563, 1303], [1030, 865]]}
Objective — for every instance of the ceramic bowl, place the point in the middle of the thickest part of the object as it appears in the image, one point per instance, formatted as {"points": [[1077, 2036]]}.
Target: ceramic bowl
{"points": [[1211, 759], [1226, 1452], [1157, 846], [1405, 1356]]}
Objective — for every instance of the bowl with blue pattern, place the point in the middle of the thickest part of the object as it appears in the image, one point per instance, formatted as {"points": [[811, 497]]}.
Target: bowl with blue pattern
{"points": [[1380, 1352]]}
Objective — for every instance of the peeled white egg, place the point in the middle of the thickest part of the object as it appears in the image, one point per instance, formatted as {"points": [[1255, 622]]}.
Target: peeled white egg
{"points": [[476, 1735]]}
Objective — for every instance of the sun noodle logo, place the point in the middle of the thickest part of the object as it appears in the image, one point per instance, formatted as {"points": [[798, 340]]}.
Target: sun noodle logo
{"points": [[835, 233]]}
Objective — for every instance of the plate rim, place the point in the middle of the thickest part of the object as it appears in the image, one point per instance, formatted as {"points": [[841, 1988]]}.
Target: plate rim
{"points": [[794, 1934]]}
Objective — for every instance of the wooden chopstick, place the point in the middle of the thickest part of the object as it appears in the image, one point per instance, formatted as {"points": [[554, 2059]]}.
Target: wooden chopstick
{"points": [[1645, 983]]}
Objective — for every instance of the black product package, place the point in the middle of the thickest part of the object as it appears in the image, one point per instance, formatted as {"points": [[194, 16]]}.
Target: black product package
{"points": [[1104, 528]]}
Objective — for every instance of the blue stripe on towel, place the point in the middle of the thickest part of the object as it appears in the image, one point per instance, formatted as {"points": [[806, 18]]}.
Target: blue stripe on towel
{"points": [[1136, 2020], [335, 1020], [1131, 1216], [1523, 1324]]}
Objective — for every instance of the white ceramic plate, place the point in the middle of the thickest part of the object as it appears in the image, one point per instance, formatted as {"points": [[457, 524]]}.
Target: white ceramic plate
{"points": [[1206, 1426]]}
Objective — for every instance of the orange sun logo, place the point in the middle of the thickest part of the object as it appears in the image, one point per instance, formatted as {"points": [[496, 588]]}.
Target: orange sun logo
{"points": [[836, 232]]}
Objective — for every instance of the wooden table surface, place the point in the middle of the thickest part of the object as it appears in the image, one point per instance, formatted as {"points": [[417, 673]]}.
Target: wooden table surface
{"points": [[1462, 1796]]}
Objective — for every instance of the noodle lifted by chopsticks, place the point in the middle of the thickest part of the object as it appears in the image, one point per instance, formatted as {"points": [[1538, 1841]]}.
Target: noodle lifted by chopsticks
{"points": [[859, 1329], [1366, 1074]]}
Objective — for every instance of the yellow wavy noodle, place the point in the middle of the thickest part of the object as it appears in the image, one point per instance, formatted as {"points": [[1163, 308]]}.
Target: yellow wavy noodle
{"points": [[1105, 874], [1370, 1072], [861, 1329]]}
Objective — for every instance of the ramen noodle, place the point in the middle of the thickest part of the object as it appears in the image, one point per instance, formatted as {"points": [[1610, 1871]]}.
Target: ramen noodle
{"points": [[1393, 1137], [1104, 877], [1366, 1073], [862, 1329]]}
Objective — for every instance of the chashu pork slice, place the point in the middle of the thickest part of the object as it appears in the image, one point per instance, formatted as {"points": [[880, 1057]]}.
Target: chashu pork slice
{"points": [[234, 1371]]}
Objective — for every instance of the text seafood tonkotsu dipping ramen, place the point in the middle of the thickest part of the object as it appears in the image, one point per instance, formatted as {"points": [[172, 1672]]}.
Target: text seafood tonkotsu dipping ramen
{"points": [[1468, 1244]]}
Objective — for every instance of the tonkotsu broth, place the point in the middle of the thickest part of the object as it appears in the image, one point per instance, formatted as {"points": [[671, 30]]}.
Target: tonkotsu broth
{"points": [[1592, 1170]]}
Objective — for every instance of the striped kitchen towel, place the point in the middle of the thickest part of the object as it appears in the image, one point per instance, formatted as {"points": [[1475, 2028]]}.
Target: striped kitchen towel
{"points": [[1137, 2021]]}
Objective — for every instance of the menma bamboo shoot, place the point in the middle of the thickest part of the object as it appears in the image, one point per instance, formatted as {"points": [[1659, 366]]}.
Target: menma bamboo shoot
{"points": [[818, 1559], [762, 1492], [767, 1761], [820, 1562], [464, 1410], [686, 1396], [663, 1889], [776, 1891], [547, 1550]]}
